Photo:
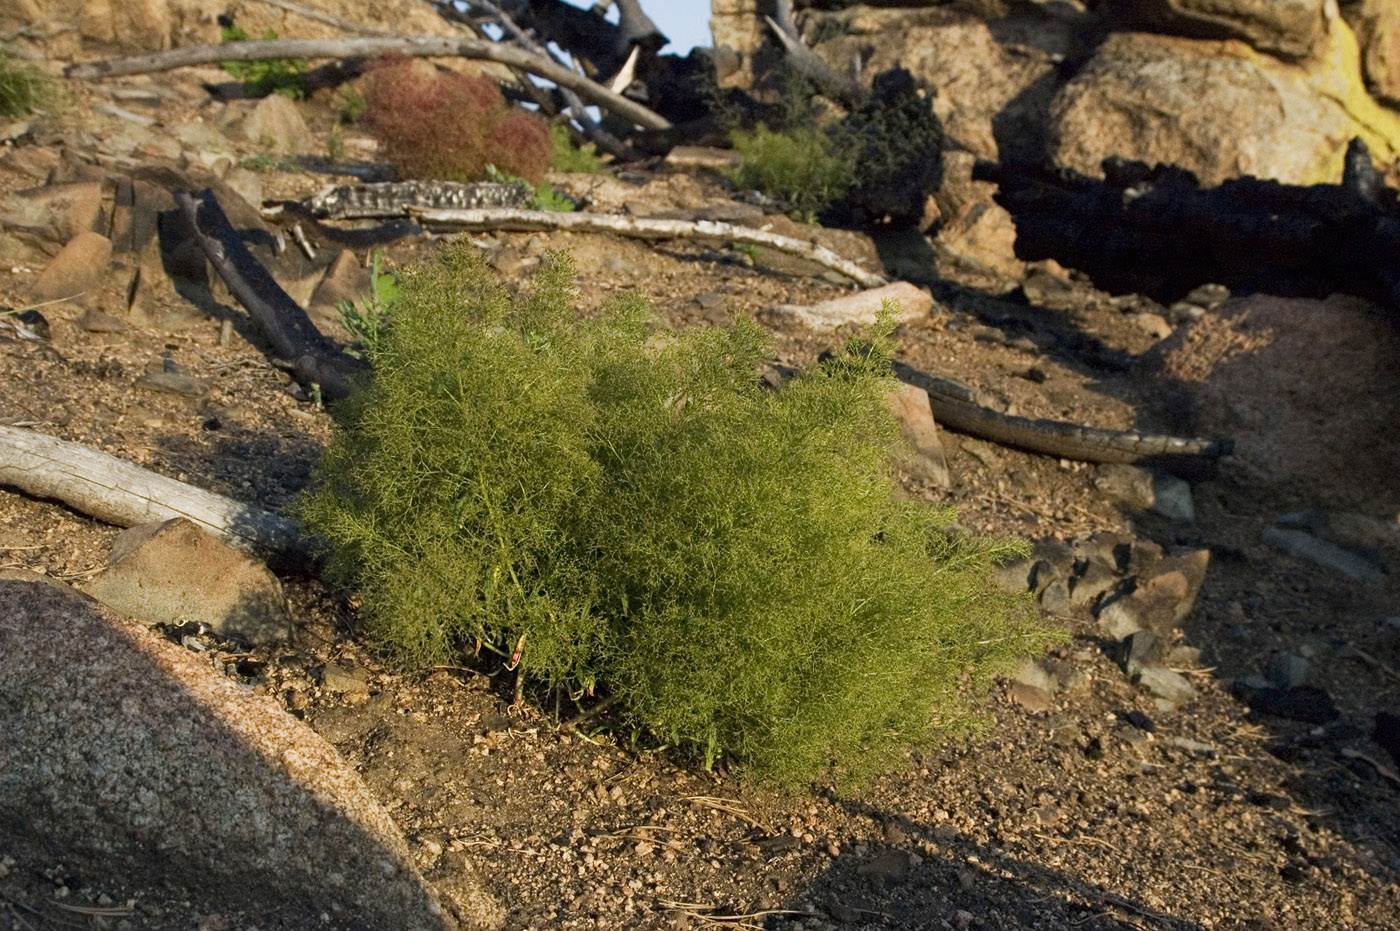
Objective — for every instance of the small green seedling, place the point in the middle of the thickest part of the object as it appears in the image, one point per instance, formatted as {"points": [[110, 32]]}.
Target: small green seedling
{"points": [[369, 321]]}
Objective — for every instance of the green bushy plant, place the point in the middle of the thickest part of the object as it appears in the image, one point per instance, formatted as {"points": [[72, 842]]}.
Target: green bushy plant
{"points": [[630, 513], [23, 87], [285, 76], [808, 167], [450, 126], [582, 159]]}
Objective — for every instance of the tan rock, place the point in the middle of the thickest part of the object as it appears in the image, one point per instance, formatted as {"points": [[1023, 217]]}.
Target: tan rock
{"points": [[141, 764], [1377, 25], [910, 405], [908, 302], [1220, 109], [345, 280], [172, 572], [78, 269], [56, 212], [276, 123], [1287, 27]]}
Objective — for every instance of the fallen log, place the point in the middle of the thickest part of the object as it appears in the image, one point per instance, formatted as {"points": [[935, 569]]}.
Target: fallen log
{"points": [[373, 47], [514, 220], [118, 492], [955, 407]]}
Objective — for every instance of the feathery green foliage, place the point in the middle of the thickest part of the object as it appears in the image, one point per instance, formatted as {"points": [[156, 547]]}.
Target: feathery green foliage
{"points": [[631, 507], [23, 87], [806, 166], [582, 159]]}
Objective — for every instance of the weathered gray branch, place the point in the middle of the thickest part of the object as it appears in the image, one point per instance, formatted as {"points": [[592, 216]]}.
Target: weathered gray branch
{"points": [[411, 46], [118, 492], [506, 218]]}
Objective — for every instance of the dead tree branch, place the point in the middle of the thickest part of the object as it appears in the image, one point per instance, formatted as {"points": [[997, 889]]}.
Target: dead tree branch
{"points": [[508, 218], [118, 492], [411, 46], [314, 359]]}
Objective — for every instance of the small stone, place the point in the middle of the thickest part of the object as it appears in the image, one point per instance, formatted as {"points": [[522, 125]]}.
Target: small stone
{"points": [[173, 383], [1014, 577], [1125, 484], [1093, 582], [963, 919], [1288, 670], [95, 321], [1171, 498], [1118, 620], [890, 867], [911, 408], [1138, 649], [1032, 673], [1165, 684], [350, 679], [1183, 312], [709, 300], [1032, 698], [1055, 599]]}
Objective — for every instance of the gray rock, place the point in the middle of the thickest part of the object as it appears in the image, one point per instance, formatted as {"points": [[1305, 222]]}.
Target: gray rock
{"points": [[172, 572], [1288, 670], [340, 678], [1015, 577], [1118, 620], [1138, 649], [1170, 686], [1091, 583], [1055, 599], [1171, 497], [141, 764], [1033, 673], [1144, 491], [1305, 546]]}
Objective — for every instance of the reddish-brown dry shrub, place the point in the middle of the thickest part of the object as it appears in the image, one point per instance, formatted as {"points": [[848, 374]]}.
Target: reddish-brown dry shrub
{"points": [[451, 126]]}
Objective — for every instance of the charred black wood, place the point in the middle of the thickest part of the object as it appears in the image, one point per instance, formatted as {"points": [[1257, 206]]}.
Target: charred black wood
{"points": [[587, 35], [1157, 231], [294, 339], [898, 150]]}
